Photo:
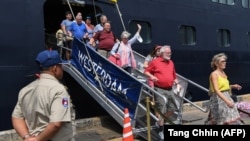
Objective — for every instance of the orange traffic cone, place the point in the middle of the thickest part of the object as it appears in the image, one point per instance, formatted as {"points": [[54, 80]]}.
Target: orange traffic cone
{"points": [[127, 129]]}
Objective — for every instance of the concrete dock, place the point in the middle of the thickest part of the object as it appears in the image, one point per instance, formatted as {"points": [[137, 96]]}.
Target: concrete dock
{"points": [[107, 129]]}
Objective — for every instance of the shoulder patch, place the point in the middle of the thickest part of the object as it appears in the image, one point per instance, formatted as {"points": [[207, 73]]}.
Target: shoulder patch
{"points": [[65, 102]]}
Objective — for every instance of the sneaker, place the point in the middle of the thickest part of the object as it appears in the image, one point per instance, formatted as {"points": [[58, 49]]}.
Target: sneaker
{"points": [[161, 134]]}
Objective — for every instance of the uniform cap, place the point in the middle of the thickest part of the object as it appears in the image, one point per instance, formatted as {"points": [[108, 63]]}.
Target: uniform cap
{"points": [[49, 58]]}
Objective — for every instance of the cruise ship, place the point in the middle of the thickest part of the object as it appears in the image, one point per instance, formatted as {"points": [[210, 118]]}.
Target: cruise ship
{"points": [[195, 30]]}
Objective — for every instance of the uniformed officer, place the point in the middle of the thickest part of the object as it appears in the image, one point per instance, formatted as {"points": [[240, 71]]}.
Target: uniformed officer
{"points": [[44, 111]]}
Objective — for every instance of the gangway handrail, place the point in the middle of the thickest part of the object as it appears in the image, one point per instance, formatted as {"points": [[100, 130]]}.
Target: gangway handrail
{"points": [[182, 77], [115, 112], [140, 105], [69, 68], [196, 106], [144, 85], [199, 86], [138, 122], [193, 83], [140, 69]]}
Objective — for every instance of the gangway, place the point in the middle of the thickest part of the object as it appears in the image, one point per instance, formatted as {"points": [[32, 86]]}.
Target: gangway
{"points": [[115, 89]]}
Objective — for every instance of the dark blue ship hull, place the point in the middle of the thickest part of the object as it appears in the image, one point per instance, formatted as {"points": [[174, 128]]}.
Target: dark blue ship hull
{"points": [[24, 24]]}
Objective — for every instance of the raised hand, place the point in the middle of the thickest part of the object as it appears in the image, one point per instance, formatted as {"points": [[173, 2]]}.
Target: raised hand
{"points": [[139, 26]]}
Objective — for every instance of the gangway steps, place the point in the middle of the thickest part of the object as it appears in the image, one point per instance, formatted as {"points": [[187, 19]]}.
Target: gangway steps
{"points": [[119, 89]]}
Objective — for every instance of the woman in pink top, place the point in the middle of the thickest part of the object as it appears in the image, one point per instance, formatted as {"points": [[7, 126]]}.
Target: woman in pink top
{"points": [[124, 52]]}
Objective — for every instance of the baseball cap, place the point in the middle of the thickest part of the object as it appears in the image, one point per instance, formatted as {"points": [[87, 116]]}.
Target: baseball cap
{"points": [[49, 58]]}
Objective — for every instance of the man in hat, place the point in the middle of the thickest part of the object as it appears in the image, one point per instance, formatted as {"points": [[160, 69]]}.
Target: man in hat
{"points": [[44, 111]]}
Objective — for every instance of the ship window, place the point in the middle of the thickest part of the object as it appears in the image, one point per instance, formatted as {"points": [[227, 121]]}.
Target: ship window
{"points": [[187, 35], [228, 2], [246, 3], [145, 32], [224, 38]]}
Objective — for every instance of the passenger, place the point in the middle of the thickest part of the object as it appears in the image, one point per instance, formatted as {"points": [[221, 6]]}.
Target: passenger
{"points": [[124, 52], [78, 29], [99, 27], [65, 25], [90, 27], [162, 72], [223, 110], [154, 54], [79, 14], [106, 39], [67, 37], [44, 111]]}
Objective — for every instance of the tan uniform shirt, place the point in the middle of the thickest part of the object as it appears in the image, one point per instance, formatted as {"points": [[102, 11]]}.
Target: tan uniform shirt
{"points": [[43, 101]]}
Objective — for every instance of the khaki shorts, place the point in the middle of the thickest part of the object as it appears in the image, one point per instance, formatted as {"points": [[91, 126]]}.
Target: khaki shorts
{"points": [[104, 53], [170, 105]]}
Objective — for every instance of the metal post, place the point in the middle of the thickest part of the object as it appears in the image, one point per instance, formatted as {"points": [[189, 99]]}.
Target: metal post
{"points": [[148, 117]]}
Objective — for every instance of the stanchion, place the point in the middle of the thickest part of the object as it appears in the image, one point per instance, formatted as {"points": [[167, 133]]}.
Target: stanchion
{"points": [[148, 118]]}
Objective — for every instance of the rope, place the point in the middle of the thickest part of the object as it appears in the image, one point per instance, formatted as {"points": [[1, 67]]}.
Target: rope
{"points": [[120, 15], [85, 46], [95, 12], [71, 10]]}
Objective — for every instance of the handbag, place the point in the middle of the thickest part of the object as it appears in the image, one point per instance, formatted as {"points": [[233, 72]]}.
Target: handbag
{"points": [[115, 60]]}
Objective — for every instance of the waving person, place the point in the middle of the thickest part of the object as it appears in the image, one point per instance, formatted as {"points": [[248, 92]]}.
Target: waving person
{"points": [[123, 50]]}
